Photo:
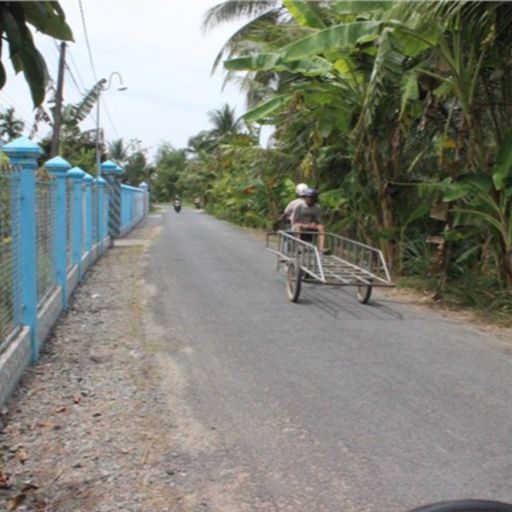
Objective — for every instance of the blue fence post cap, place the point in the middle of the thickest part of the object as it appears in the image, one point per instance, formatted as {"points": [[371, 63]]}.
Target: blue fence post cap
{"points": [[110, 167], [22, 147], [88, 178], [100, 181], [143, 185], [57, 165], [76, 173]]}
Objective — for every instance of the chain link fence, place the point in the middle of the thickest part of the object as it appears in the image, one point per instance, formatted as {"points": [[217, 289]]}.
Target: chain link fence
{"points": [[94, 203], [10, 251], [70, 203], [132, 207], [84, 220], [45, 235], [105, 210]]}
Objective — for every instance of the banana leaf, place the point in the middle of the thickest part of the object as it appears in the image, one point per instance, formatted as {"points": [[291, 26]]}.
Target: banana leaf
{"points": [[315, 66], [266, 108], [503, 168], [345, 7], [304, 15], [346, 35]]}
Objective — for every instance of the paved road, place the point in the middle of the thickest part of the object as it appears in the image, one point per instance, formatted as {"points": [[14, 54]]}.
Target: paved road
{"points": [[327, 405]]}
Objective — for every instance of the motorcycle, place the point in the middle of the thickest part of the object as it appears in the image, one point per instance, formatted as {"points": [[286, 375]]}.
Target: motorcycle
{"points": [[177, 206]]}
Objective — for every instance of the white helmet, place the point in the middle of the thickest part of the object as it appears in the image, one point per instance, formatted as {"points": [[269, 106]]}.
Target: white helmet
{"points": [[300, 189]]}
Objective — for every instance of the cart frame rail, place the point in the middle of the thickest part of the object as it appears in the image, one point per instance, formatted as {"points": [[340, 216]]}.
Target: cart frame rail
{"points": [[346, 262]]}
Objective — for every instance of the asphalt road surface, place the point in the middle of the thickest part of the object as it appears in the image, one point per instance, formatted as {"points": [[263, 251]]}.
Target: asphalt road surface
{"points": [[325, 405]]}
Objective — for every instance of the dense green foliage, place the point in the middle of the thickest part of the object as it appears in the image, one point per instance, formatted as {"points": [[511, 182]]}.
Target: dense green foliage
{"points": [[400, 112]]}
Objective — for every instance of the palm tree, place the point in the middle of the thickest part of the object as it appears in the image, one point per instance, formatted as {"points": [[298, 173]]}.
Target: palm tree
{"points": [[118, 151], [231, 10], [224, 121], [10, 127]]}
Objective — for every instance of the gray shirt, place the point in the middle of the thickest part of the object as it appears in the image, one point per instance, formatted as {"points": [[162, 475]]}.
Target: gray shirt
{"points": [[304, 214]]}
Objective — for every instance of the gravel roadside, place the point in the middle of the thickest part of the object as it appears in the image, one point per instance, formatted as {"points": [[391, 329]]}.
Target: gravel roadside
{"points": [[83, 431]]}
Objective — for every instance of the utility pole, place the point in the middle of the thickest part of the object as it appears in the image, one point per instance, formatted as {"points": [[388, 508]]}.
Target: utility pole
{"points": [[57, 114]]}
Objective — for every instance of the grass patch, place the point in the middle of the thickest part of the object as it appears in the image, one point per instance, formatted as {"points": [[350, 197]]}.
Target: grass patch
{"points": [[476, 293]]}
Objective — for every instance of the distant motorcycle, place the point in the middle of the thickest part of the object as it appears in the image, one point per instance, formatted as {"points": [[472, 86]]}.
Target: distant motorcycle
{"points": [[177, 206]]}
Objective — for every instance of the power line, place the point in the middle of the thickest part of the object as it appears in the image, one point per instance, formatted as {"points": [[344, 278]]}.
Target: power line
{"points": [[50, 54], [110, 118], [87, 40], [77, 71], [68, 69], [10, 103], [91, 60], [75, 83]]}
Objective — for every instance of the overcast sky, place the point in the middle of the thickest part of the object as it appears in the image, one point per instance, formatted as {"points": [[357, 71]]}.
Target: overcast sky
{"points": [[163, 56]]}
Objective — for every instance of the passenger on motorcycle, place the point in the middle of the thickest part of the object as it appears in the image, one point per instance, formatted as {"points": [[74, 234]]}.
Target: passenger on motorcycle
{"points": [[300, 190], [307, 217]]}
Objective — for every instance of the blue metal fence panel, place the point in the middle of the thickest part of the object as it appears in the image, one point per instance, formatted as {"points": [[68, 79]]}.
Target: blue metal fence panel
{"points": [[83, 249], [45, 234], [95, 217], [30, 269], [10, 251], [69, 222], [106, 211], [133, 207]]}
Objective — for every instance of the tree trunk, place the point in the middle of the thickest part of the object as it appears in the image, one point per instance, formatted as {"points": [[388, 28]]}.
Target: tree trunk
{"points": [[385, 217], [506, 261]]}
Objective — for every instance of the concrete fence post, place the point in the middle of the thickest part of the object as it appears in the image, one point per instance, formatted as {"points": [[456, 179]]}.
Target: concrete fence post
{"points": [[125, 207], [77, 175], [144, 187], [58, 168], [112, 174], [102, 221], [88, 179], [23, 153]]}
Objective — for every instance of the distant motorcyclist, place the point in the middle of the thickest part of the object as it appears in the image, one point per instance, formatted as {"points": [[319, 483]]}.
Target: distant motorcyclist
{"points": [[197, 202], [177, 204]]}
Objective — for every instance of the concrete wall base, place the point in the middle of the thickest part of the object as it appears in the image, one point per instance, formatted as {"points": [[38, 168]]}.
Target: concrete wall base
{"points": [[13, 362]]}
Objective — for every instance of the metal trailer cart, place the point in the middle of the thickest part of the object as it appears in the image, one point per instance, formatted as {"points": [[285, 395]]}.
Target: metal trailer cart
{"points": [[345, 262]]}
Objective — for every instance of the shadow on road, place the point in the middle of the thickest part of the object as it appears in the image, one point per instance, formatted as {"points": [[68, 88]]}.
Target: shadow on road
{"points": [[341, 303]]}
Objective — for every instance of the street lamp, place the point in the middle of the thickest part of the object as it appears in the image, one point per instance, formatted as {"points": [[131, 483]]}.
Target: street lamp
{"points": [[102, 88]]}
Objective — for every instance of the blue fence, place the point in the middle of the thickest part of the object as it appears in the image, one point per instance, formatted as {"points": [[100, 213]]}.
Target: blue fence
{"points": [[55, 222], [133, 206]]}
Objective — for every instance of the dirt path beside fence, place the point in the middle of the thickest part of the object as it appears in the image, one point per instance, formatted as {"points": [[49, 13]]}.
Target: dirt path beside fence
{"points": [[82, 431]]}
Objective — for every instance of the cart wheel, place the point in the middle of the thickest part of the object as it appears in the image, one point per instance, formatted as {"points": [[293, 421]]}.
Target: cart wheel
{"points": [[363, 294], [294, 281]]}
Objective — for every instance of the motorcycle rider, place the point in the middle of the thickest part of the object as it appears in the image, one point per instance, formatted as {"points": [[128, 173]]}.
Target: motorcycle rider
{"points": [[307, 218], [177, 203]]}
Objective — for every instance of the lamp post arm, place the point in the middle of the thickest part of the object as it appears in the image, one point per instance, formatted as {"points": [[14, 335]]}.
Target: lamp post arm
{"points": [[110, 80]]}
